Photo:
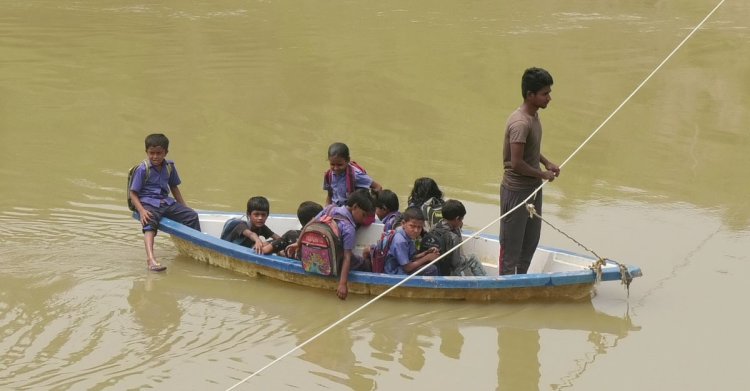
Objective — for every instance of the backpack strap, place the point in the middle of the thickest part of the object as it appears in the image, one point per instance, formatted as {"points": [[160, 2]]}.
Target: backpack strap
{"points": [[350, 175], [147, 166], [328, 176], [170, 168], [329, 219]]}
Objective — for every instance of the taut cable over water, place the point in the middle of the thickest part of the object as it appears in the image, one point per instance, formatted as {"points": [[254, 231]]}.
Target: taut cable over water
{"points": [[408, 277]]}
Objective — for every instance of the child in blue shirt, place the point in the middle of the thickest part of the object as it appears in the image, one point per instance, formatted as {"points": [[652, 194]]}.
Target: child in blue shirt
{"points": [[149, 193], [344, 176], [403, 257]]}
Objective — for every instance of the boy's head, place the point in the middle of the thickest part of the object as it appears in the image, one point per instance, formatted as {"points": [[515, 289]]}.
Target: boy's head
{"points": [[386, 202], [361, 206], [536, 85], [413, 221], [157, 146], [338, 157], [454, 212], [157, 140], [307, 210], [257, 211]]}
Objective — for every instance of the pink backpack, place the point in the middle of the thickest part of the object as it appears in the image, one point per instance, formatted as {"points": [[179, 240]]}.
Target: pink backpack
{"points": [[320, 249]]}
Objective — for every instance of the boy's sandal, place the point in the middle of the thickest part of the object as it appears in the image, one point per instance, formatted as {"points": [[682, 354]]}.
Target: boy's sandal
{"points": [[157, 267]]}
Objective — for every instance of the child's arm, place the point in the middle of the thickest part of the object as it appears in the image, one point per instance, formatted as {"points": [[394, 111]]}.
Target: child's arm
{"points": [[145, 215], [343, 290], [177, 195], [422, 259], [257, 243], [267, 248], [376, 187]]}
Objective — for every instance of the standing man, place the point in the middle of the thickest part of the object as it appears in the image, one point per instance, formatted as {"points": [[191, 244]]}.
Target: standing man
{"points": [[522, 158]]}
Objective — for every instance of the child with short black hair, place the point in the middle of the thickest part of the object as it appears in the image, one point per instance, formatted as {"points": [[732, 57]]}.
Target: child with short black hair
{"points": [[255, 227], [344, 176], [402, 255], [386, 208], [306, 211], [446, 235], [149, 193]]}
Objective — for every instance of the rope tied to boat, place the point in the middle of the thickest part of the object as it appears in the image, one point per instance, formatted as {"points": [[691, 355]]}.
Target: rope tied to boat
{"points": [[597, 266]]}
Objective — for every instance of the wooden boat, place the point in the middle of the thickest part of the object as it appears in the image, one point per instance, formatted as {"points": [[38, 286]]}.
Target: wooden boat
{"points": [[554, 274]]}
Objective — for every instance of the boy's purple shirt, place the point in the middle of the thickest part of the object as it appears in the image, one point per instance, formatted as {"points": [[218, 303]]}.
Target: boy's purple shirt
{"points": [[155, 190]]}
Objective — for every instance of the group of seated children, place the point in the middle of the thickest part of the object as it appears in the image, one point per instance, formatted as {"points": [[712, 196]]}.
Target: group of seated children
{"points": [[349, 202], [413, 246], [429, 227]]}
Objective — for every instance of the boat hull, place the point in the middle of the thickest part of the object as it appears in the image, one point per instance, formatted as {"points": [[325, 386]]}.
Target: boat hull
{"points": [[568, 285]]}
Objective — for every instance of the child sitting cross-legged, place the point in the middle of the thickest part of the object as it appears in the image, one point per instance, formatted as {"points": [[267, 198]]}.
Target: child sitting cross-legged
{"points": [[403, 257]]}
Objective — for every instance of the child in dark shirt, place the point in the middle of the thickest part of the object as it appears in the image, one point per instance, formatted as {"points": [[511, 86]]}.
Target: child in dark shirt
{"points": [[255, 227], [447, 235]]}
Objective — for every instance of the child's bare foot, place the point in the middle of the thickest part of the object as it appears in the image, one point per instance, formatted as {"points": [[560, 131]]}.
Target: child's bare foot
{"points": [[156, 267]]}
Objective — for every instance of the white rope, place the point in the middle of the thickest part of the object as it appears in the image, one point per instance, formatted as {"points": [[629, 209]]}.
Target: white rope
{"points": [[410, 276], [643, 82]]}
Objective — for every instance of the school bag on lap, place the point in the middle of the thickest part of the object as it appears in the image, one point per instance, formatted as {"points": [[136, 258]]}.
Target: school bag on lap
{"points": [[379, 251], [320, 248], [145, 162]]}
